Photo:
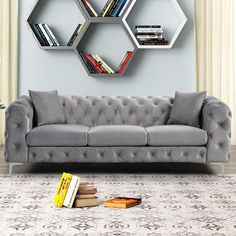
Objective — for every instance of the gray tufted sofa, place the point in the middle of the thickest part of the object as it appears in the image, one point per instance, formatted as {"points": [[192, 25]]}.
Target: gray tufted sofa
{"points": [[116, 129]]}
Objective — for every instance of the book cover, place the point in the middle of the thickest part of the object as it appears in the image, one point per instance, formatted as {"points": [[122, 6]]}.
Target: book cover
{"points": [[107, 8], [124, 7], [112, 7], [74, 35], [100, 64], [103, 64], [38, 35], [88, 64], [87, 190], [95, 65], [85, 196], [86, 202], [52, 34], [148, 26], [149, 37], [119, 8], [122, 62], [72, 191], [125, 62], [42, 35], [46, 35], [122, 202], [87, 3], [62, 189]]}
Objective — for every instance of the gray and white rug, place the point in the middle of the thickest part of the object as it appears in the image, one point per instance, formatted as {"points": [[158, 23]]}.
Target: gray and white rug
{"points": [[181, 205]]}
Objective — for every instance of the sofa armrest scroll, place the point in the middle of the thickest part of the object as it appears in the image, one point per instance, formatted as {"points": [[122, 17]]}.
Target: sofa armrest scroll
{"points": [[19, 121], [216, 120]]}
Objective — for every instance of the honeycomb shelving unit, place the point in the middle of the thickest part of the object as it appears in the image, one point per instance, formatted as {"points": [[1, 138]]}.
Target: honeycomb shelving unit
{"points": [[125, 23]]}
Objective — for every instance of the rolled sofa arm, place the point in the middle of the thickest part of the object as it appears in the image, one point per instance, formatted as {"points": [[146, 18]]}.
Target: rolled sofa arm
{"points": [[216, 120], [19, 121]]}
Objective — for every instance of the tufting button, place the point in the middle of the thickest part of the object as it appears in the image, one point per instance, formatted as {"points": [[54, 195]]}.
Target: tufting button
{"points": [[71, 113], [168, 154], [84, 155], [117, 111], [66, 154], [185, 154]]}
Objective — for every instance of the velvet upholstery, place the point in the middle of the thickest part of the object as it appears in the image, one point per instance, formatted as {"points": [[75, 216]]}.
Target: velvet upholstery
{"points": [[95, 111]]}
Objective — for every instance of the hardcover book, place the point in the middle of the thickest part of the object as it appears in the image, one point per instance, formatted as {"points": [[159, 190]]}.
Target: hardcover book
{"points": [[122, 202]]}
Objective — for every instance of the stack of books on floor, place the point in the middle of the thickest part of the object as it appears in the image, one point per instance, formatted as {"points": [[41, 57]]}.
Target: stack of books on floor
{"points": [[75, 34], [71, 192], [150, 35], [45, 35], [113, 8], [96, 64]]}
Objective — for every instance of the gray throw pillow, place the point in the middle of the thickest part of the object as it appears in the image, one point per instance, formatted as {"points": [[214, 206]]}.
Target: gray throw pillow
{"points": [[47, 106], [187, 109]]}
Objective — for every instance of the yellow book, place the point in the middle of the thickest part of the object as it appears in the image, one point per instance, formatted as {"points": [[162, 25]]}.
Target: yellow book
{"points": [[62, 189], [108, 7]]}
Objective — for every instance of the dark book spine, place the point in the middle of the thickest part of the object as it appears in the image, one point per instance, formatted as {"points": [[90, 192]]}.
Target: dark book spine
{"points": [[38, 35], [113, 7], [87, 63], [49, 35], [74, 35], [43, 36], [88, 9], [105, 7], [147, 26], [119, 8]]}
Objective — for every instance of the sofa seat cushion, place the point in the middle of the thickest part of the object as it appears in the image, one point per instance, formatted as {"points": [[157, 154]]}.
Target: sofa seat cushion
{"points": [[58, 135], [117, 135], [176, 135]]}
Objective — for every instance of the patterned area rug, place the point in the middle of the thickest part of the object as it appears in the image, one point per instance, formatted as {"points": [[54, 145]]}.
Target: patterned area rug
{"points": [[181, 205]]}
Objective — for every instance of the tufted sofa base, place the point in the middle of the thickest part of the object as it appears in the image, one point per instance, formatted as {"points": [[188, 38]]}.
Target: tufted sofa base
{"points": [[91, 111], [117, 154]]}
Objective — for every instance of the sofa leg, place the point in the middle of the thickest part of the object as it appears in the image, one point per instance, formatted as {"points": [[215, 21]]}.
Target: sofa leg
{"points": [[12, 165], [222, 167]]}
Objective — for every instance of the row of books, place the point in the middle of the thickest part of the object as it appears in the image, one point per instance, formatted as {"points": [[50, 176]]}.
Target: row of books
{"points": [[150, 35], [96, 64], [45, 35], [113, 8], [71, 192], [47, 38]]}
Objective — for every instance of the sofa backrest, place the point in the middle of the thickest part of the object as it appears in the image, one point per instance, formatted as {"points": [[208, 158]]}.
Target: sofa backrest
{"points": [[108, 110]]}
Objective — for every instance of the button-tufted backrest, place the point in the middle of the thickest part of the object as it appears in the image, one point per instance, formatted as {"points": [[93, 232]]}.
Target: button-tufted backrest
{"points": [[107, 110]]}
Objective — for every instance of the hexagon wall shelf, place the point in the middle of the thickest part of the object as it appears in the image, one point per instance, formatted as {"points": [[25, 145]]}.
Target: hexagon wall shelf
{"points": [[173, 6], [124, 22]]}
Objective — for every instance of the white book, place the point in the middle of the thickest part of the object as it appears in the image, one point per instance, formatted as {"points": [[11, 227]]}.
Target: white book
{"points": [[104, 64], [147, 30], [121, 12], [53, 36], [71, 192], [91, 8], [46, 35]]}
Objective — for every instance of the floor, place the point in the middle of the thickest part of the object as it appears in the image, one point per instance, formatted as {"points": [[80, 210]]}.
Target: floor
{"points": [[230, 168]]}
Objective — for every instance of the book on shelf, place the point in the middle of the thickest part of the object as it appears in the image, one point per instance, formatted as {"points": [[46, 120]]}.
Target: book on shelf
{"points": [[103, 64], [90, 8], [72, 192], [123, 8], [51, 35], [107, 7], [90, 67], [75, 34], [157, 42], [44, 35], [150, 35], [118, 8], [122, 202], [124, 62], [94, 63]]}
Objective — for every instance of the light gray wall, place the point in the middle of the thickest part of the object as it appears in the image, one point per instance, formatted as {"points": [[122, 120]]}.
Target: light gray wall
{"points": [[152, 72]]}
